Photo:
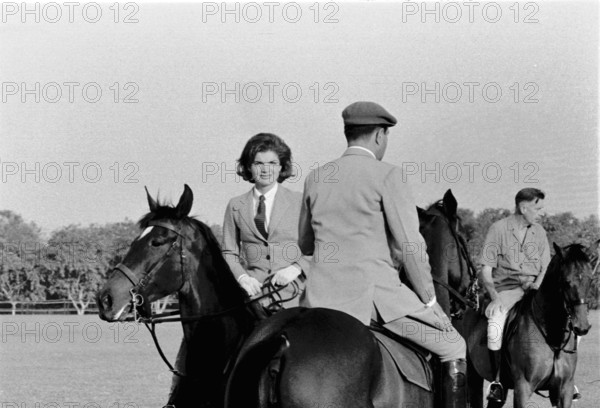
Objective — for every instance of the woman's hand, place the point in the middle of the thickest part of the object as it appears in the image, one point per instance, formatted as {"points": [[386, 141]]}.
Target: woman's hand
{"points": [[251, 285]]}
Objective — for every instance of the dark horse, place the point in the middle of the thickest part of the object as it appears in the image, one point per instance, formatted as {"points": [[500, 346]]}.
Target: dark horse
{"points": [[540, 352], [300, 358], [451, 267]]}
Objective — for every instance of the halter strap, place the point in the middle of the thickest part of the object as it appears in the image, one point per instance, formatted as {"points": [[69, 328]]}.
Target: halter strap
{"points": [[169, 226], [136, 298], [127, 272]]}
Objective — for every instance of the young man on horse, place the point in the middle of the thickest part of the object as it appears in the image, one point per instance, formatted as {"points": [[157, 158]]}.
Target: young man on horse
{"points": [[515, 257], [359, 222]]}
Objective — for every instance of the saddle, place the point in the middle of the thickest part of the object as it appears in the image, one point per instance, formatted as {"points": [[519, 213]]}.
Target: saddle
{"points": [[402, 361], [400, 356]]}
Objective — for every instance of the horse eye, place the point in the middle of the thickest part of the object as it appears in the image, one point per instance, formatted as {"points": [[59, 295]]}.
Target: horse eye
{"points": [[158, 242]]}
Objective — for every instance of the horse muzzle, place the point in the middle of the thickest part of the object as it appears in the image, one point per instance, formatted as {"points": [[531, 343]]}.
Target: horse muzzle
{"points": [[113, 307], [581, 331]]}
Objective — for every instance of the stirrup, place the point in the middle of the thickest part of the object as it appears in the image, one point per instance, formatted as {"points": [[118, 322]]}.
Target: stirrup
{"points": [[576, 394], [495, 398]]}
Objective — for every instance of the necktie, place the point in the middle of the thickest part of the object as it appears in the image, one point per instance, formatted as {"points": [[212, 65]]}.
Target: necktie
{"points": [[261, 217]]}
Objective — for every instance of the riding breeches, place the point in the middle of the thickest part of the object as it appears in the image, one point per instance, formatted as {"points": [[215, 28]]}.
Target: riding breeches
{"points": [[497, 320], [423, 328]]}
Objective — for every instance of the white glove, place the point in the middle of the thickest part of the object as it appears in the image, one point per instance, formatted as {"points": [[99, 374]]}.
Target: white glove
{"points": [[251, 285], [284, 276]]}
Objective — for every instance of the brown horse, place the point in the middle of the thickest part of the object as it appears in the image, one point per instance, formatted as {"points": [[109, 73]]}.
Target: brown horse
{"points": [[298, 358], [540, 346]]}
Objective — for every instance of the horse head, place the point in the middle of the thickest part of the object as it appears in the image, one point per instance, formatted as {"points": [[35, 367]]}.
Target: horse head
{"points": [[172, 253], [444, 235], [574, 282]]}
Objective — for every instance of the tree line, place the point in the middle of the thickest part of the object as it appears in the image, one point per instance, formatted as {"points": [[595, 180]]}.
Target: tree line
{"points": [[74, 261]]}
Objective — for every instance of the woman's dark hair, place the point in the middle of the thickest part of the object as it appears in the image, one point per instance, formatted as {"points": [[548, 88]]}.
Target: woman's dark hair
{"points": [[260, 143]]}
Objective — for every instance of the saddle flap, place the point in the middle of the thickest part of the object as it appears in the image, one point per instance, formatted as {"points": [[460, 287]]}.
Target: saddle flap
{"points": [[412, 364]]}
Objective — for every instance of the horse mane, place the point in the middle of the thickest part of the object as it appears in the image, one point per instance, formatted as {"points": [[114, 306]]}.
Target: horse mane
{"points": [[576, 253], [440, 208], [221, 270], [572, 254]]}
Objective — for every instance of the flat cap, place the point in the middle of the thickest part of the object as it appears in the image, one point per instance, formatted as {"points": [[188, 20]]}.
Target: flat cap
{"points": [[367, 113]]}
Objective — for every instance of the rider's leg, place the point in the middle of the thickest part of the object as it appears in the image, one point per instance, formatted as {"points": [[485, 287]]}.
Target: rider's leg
{"points": [[423, 328], [496, 324], [495, 331]]}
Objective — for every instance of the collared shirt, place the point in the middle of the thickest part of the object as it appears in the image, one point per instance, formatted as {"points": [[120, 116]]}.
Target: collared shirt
{"points": [[363, 148], [515, 256], [269, 200]]}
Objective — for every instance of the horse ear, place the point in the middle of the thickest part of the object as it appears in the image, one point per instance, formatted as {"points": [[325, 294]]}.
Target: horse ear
{"points": [[557, 249], [450, 203], [151, 201], [185, 202]]}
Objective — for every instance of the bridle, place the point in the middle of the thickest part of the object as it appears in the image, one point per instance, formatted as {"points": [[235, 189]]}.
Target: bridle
{"points": [[137, 300], [568, 329], [471, 299], [569, 309]]}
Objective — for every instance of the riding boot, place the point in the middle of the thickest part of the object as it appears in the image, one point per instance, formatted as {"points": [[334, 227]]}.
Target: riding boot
{"points": [[496, 391], [454, 384], [576, 394]]}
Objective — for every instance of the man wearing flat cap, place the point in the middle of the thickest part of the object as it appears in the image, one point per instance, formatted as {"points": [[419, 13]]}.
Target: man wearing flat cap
{"points": [[359, 222]]}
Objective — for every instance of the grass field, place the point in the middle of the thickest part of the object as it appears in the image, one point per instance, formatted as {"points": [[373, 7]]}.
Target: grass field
{"points": [[81, 361]]}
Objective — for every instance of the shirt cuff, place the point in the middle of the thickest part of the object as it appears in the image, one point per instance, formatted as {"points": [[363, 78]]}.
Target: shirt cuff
{"points": [[241, 276], [431, 302]]}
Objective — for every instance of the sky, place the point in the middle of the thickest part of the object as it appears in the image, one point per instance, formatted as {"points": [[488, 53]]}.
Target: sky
{"points": [[489, 100]]}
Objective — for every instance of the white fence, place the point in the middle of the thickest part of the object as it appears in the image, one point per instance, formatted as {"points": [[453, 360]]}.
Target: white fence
{"points": [[65, 306]]}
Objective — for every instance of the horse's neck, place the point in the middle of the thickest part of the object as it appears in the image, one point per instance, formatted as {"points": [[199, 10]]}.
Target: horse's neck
{"points": [[201, 296], [211, 342], [549, 309]]}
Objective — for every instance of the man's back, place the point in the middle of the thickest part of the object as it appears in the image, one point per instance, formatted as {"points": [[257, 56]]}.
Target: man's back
{"points": [[361, 214]]}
